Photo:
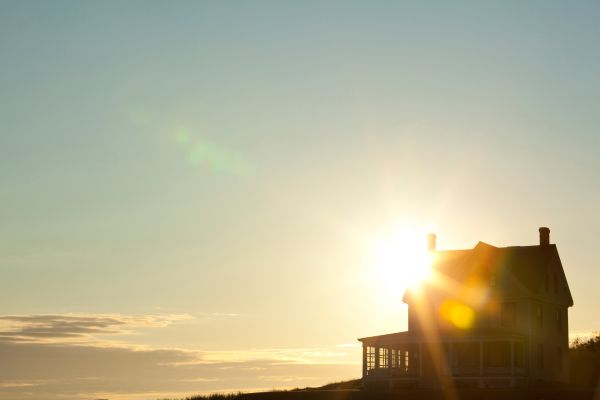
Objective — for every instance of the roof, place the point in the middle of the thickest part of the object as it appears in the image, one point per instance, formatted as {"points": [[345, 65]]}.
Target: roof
{"points": [[528, 264], [442, 335]]}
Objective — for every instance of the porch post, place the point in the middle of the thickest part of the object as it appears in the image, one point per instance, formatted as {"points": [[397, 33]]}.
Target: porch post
{"points": [[420, 359], [390, 350], [450, 358], [376, 357], [364, 360], [481, 363], [512, 363]]}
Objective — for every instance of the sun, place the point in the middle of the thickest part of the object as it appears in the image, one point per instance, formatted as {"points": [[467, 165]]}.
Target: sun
{"points": [[400, 260]]}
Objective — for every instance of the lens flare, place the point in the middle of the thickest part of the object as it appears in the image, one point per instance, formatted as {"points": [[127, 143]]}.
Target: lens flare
{"points": [[458, 314], [211, 155]]}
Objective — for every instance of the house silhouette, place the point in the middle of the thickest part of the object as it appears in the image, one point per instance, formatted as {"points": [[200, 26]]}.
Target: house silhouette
{"points": [[488, 317]]}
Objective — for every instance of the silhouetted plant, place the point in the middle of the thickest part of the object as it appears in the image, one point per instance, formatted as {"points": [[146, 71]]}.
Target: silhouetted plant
{"points": [[590, 345], [216, 396]]}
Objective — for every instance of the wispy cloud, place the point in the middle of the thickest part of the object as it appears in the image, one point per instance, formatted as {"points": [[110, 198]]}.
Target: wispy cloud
{"points": [[77, 328], [76, 356], [348, 345], [285, 378], [17, 384]]}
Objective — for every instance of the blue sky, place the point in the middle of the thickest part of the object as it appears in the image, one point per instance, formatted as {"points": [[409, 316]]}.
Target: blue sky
{"points": [[223, 166]]}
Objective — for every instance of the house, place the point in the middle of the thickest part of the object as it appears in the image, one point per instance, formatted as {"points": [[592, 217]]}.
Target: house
{"points": [[488, 317]]}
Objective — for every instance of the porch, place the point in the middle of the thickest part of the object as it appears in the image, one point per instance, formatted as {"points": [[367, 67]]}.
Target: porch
{"points": [[403, 360]]}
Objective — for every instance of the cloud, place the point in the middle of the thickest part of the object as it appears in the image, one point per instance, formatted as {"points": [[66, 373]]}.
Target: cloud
{"points": [[17, 384], [73, 356], [77, 328], [53, 371], [348, 345], [285, 378], [278, 355]]}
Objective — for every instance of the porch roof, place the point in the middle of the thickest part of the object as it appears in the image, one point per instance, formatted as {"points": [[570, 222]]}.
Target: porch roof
{"points": [[407, 337]]}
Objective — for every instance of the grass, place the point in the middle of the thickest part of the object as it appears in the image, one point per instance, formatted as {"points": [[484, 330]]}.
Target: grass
{"points": [[585, 376]]}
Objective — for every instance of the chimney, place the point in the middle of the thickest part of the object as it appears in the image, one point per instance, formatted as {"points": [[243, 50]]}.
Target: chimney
{"points": [[431, 241], [544, 236]]}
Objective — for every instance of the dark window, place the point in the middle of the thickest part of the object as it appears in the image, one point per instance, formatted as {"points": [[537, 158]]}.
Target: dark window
{"points": [[559, 359], [546, 279], [509, 314], [555, 275], [401, 359], [558, 319], [540, 356], [496, 354], [539, 315], [519, 353], [465, 355]]}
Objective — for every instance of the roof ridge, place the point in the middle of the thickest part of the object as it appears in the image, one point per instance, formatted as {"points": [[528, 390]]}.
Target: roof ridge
{"points": [[480, 244]]}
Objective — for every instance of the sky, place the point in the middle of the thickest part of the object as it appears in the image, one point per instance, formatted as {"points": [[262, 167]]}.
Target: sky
{"points": [[190, 191]]}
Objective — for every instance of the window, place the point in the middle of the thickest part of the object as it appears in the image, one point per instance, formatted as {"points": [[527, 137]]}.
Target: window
{"points": [[465, 355], [400, 359], [493, 280], [539, 315], [496, 354], [540, 356], [555, 281], [558, 319], [370, 358], [404, 359], [383, 357], [546, 279], [508, 315], [519, 355], [559, 359]]}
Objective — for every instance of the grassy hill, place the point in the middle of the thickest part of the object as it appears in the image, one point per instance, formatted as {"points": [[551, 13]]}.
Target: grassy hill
{"points": [[350, 390], [349, 394], [584, 358]]}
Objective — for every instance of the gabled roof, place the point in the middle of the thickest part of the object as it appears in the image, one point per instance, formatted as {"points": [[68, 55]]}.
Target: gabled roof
{"points": [[528, 264]]}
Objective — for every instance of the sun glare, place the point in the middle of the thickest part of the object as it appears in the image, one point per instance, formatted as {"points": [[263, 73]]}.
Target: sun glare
{"points": [[400, 260]]}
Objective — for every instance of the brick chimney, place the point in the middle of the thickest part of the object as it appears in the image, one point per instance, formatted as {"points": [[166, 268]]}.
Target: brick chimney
{"points": [[544, 236], [431, 241]]}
